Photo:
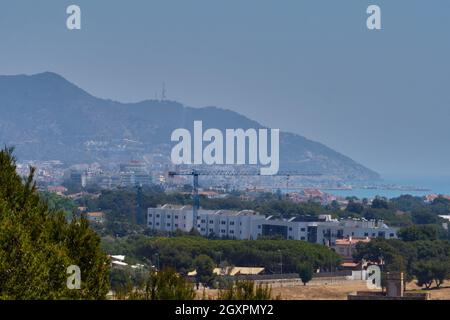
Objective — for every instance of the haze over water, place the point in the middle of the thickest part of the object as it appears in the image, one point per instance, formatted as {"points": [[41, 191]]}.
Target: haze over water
{"points": [[434, 184]]}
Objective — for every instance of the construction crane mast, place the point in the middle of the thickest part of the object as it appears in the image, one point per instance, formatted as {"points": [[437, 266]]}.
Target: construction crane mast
{"points": [[196, 173]]}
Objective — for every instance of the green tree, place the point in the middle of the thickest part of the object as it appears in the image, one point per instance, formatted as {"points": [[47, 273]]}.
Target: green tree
{"points": [[38, 244], [380, 203], [355, 207], [422, 271], [424, 216], [205, 267], [305, 271], [440, 271], [167, 284], [419, 232], [407, 203], [122, 283]]}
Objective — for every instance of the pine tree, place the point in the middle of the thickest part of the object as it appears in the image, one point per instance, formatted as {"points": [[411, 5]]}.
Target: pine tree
{"points": [[37, 244]]}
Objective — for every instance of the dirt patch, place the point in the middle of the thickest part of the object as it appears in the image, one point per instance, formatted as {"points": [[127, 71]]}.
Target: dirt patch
{"points": [[332, 291]]}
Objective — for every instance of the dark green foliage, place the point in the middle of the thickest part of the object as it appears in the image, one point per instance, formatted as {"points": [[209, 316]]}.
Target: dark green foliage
{"points": [[425, 216], [423, 260], [440, 205], [122, 282], [431, 270], [58, 203], [205, 267], [38, 244], [305, 271], [407, 203], [355, 207], [380, 203], [180, 252], [119, 206], [422, 232]]}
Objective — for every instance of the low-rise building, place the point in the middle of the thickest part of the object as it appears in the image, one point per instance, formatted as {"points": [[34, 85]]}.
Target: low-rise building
{"points": [[228, 223], [328, 233], [59, 190], [249, 225], [170, 218], [95, 217], [346, 247]]}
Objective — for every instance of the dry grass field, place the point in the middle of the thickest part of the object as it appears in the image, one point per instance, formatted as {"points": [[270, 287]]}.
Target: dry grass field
{"points": [[331, 291]]}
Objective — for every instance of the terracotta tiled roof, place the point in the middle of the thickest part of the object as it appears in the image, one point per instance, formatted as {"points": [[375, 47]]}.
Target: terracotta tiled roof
{"points": [[352, 240]]}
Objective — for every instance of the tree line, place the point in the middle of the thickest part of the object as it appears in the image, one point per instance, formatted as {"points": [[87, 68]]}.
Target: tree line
{"points": [[186, 253]]}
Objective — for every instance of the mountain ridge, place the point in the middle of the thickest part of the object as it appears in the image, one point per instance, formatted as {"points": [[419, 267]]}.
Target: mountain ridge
{"points": [[48, 117]]}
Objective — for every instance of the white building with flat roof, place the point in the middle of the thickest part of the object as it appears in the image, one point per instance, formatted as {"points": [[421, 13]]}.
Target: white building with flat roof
{"points": [[249, 225], [170, 218], [227, 223]]}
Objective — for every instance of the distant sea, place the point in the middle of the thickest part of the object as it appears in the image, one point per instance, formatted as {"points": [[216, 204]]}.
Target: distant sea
{"points": [[437, 185]]}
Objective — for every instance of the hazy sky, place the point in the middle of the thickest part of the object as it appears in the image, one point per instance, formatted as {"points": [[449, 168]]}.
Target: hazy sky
{"points": [[306, 66]]}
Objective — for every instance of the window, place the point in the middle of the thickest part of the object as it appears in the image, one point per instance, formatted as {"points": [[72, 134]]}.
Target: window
{"points": [[302, 229], [184, 217], [176, 217], [290, 228], [391, 235], [168, 224], [259, 226], [211, 221], [176, 225], [168, 216], [157, 216], [223, 222], [149, 223], [203, 221], [366, 234], [202, 229], [211, 230], [290, 237], [223, 231], [150, 215], [231, 231], [302, 238], [231, 223], [157, 224]]}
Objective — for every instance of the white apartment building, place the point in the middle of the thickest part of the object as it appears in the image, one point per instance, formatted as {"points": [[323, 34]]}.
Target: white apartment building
{"points": [[328, 233], [170, 218], [227, 223], [249, 225]]}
